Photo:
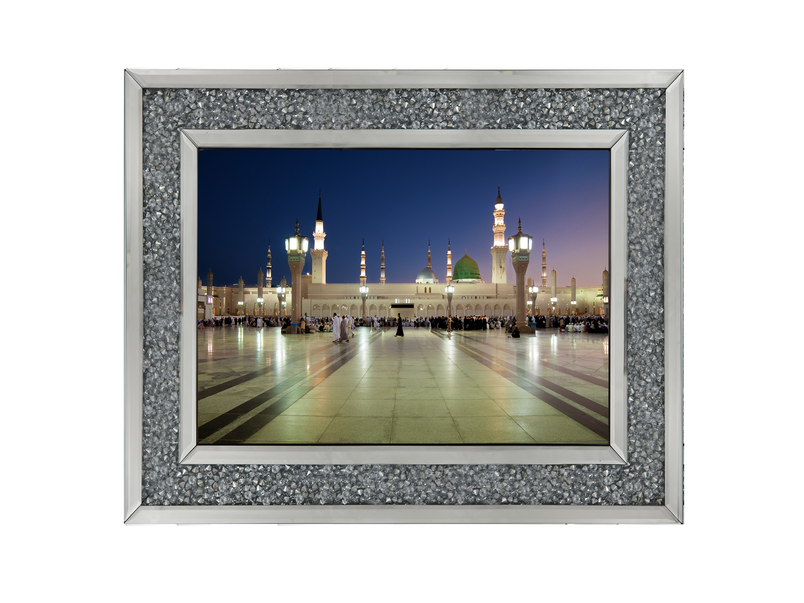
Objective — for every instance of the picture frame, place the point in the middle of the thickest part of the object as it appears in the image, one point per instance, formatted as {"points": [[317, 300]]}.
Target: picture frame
{"points": [[163, 462]]}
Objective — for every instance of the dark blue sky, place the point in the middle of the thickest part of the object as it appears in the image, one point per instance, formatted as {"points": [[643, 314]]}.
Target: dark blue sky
{"points": [[247, 197]]}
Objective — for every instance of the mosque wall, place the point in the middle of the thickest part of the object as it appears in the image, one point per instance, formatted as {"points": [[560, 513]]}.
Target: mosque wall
{"points": [[468, 299]]}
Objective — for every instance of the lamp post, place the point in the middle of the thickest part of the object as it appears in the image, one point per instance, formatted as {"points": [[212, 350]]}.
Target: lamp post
{"points": [[280, 293], [259, 302], [534, 291], [363, 294], [520, 245], [296, 246], [450, 290]]}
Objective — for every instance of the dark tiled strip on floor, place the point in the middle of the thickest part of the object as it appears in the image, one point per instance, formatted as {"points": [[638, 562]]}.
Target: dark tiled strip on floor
{"points": [[598, 427], [561, 369], [575, 397], [216, 389], [241, 433]]}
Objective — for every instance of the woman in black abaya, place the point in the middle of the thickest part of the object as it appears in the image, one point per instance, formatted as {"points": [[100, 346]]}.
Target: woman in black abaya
{"points": [[399, 332]]}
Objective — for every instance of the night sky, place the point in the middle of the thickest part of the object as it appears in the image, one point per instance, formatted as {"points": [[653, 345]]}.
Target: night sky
{"points": [[247, 197]]}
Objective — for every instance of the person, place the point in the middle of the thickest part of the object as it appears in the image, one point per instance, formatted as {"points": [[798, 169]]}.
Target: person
{"points": [[344, 335], [349, 326], [399, 332], [449, 324], [515, 332], [336, 328]]}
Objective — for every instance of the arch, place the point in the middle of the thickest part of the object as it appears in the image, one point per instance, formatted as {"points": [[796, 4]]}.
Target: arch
{"points": [[325, 310], [478, 310], [353, 310], [441, 310], [430, 310], [459, 310], [383, 311], [487, 310], [316, 312], [497, 310], [507, 310], [373, 310]]}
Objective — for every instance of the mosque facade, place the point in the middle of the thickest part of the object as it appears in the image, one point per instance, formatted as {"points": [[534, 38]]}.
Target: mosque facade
{"points": [[424, 297]]}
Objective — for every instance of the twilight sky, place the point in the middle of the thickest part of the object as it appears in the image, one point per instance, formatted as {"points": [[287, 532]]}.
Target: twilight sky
{"points": [[247, 197]]}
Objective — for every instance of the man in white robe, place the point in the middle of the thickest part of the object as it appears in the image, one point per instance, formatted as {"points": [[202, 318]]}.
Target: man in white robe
{"points": [[336, 328]]}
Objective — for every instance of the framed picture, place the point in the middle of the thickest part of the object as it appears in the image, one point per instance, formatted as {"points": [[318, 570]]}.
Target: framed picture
{"points": [[243, 404]]}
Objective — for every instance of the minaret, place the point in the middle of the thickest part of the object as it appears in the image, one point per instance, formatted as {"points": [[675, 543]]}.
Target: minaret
{"points": [[257, 306], [318, 253], [449, 262], [363, 264], [544, 265], [553, 292], [209, 290], [382, 264], [573, 303], [268, 267], [499, 252]]}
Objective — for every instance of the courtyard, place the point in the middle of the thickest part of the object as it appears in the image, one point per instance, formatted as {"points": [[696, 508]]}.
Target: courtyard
{"points": [[257, 386]]}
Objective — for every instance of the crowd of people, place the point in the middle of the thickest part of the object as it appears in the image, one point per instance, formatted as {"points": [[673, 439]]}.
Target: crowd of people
{"points": [[343, 326]]}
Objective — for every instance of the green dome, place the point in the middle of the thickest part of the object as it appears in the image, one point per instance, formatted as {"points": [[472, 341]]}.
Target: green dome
{"points": [[466, 270]]}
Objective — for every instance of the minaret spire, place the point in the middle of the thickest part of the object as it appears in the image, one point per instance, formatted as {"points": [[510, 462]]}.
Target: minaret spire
{"points": [[363, 264], [382, 264], [429, 260], [318, 253], [544, 265], [268, 267], [449, 262], [499, 251]]}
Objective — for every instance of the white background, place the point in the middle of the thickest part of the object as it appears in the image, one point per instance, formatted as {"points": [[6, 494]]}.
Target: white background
{"points": [[62, 306]]}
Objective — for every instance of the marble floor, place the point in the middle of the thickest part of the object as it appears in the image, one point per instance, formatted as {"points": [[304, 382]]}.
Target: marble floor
{"points": [[257, 386]]}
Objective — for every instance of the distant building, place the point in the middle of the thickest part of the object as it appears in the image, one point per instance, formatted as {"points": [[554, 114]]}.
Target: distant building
{"points": [[424, 296]]}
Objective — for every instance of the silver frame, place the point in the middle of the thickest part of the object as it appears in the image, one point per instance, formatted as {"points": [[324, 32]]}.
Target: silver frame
{"points": [[616, 140]]}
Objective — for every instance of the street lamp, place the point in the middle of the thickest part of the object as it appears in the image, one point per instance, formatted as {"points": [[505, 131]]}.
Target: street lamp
{"points": [[363, 294], [450, 290], [520, 245], [259, 301], [280, 293], [534, 291], [296, 246]]}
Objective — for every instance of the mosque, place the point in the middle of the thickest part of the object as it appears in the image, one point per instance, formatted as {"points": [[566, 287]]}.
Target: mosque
{"points": [[424, 296]]}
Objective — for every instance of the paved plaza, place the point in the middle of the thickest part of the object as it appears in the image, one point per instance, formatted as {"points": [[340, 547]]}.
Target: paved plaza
{"points": [[257, 386]]}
